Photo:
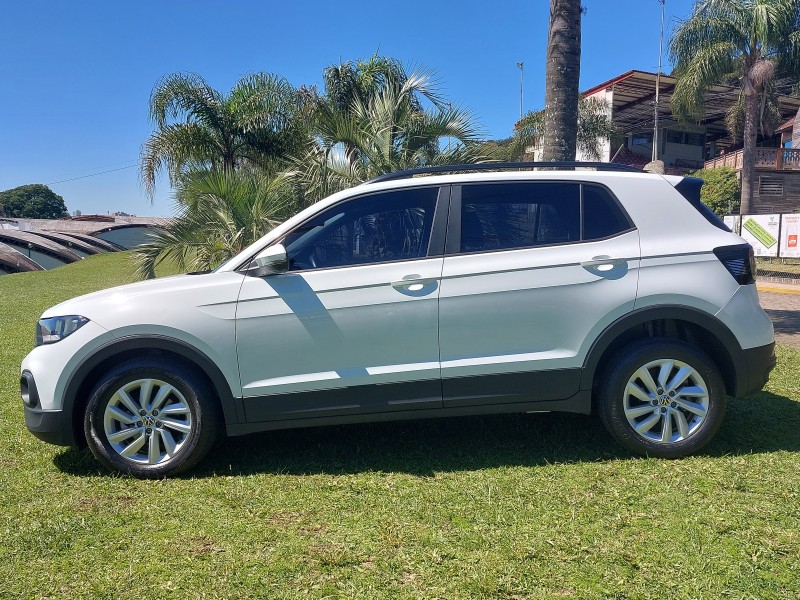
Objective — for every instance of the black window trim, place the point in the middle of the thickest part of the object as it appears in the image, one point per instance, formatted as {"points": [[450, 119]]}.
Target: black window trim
{"points": [[453, 245], [435, 244]]}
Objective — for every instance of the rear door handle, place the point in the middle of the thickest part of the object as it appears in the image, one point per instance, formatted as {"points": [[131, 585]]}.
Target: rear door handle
{"points": [[602, 263]]}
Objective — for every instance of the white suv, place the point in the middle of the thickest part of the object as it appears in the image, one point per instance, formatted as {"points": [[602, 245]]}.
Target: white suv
{"points": [[407, 297]]}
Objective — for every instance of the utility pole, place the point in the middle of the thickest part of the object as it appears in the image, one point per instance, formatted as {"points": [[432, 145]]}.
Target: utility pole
{"points": [[521, 68], [658, 84]]}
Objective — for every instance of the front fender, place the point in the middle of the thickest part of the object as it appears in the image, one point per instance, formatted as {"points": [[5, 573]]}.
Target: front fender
{"points": [[76, 384]]}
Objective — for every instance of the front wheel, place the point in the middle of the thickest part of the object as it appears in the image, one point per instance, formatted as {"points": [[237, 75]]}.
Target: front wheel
{"points": [[662, 398], [150, 419]]}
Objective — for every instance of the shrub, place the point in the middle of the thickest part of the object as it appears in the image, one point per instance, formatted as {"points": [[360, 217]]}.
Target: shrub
{"points": [[721, 191]]}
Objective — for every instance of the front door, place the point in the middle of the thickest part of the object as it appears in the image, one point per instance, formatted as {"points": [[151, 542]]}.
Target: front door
{"points": [[352, 327]]}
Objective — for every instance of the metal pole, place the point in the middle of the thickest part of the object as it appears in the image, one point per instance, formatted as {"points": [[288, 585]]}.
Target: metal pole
{"points": [[658, 84], [521, 81]]}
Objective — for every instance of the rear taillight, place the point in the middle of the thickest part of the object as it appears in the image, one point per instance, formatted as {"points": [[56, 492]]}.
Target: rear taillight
{"points": [[740, 262]]}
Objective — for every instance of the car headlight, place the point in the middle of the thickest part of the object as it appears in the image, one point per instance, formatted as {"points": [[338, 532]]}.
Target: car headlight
{"points": [[55, 329]]}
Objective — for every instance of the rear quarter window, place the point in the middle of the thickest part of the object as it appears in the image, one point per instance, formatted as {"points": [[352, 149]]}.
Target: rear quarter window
{"points": [[602, 215]]}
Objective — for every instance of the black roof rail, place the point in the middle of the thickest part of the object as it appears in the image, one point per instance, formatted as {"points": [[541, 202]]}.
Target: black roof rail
{"points": [[499, 166]]}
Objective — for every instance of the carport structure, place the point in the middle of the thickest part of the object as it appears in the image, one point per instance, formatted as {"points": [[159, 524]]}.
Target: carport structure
{"points": [[13, 261], [98, 243], [46, 253], [78, 246]]}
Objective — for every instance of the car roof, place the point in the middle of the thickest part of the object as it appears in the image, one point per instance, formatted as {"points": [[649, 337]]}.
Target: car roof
{"points": [[499, 166]]}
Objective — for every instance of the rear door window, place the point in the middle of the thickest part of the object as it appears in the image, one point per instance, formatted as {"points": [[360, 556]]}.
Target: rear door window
{"points": [[505, 216], [519, 215]]}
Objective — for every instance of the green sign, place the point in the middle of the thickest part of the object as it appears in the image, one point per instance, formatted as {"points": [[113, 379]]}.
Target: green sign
{"points": [[761, 234]]}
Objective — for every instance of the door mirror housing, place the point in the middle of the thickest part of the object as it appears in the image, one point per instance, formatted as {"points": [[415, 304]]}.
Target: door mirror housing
{"points": [[270, 260]]}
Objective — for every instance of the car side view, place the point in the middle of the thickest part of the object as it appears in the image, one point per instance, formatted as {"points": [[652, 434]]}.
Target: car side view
{"points": [[446, 291]]}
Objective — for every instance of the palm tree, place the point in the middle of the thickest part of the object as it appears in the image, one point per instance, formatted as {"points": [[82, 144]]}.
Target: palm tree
{"points": [[220, 212], [350, 83], [562, 75], [260, 121], [748, 39], [384, 130]]}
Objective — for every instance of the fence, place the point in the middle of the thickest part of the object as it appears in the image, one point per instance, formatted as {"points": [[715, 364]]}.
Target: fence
{"points": [[766, 158], [775, 243]]}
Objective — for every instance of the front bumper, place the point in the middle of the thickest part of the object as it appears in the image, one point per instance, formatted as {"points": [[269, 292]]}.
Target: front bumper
{"points": [[44, 373], [48, 426]]}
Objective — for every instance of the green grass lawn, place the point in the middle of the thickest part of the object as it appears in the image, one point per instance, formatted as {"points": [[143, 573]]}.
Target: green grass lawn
{"points": [[522, 506]]}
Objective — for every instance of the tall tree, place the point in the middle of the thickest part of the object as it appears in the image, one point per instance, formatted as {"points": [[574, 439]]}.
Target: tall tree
{"points": [[259, 122], [748, 39], [35, 201], [562, 75]]}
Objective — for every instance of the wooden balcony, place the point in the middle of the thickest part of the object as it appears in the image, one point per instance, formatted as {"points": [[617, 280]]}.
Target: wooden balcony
{"points": [[767, 159]]}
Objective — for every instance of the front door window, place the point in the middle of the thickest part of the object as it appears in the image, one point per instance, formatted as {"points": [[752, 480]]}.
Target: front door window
{"points": [[372, 229]]}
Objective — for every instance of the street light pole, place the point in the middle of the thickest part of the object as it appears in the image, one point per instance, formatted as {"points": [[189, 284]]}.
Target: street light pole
{"points": [[658, 84], [521, 81]]}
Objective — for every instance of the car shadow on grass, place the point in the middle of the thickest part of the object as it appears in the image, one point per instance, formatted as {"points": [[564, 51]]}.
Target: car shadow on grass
{"points": [[762, 423]]}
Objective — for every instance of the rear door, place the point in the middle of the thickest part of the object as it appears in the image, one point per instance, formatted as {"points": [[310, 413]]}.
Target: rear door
{"points": [[533, 272]]}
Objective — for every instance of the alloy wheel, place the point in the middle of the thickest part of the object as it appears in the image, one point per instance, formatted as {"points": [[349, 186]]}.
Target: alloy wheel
{"points": [[666, 401], [147, 421]]}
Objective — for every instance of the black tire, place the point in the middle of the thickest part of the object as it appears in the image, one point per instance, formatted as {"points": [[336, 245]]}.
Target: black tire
{"points": [[190, 427], [613, 398]]}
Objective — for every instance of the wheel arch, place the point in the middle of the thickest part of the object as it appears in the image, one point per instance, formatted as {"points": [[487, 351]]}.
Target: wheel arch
{"points": [[699, 328], [84, 377]]}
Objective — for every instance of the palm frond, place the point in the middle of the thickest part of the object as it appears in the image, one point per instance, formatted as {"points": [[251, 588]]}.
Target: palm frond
{"points": [[173, 147], [708, 65], [220, 213], [263, 119], [594, 125], [319, 173], [187, 94], [263, 101], [423, 82], [373, 122]]}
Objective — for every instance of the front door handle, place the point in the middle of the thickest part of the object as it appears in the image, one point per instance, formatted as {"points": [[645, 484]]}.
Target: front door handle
{"points": [[413, 283], [602, 263]]}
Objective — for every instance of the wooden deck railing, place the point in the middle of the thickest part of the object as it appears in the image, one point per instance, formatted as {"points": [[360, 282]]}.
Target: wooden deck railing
{"points": [[766, 158]]}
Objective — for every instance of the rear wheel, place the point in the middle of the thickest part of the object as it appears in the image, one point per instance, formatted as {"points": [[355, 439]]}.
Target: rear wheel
{"points": [[661, 397], [151, 420]]}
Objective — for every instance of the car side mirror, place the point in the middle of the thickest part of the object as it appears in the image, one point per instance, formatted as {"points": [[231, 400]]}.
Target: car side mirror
{"points": [[270, 260]]}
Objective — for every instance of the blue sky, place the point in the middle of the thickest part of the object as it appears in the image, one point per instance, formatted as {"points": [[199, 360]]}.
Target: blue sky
{"points": [[75, 77]]}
